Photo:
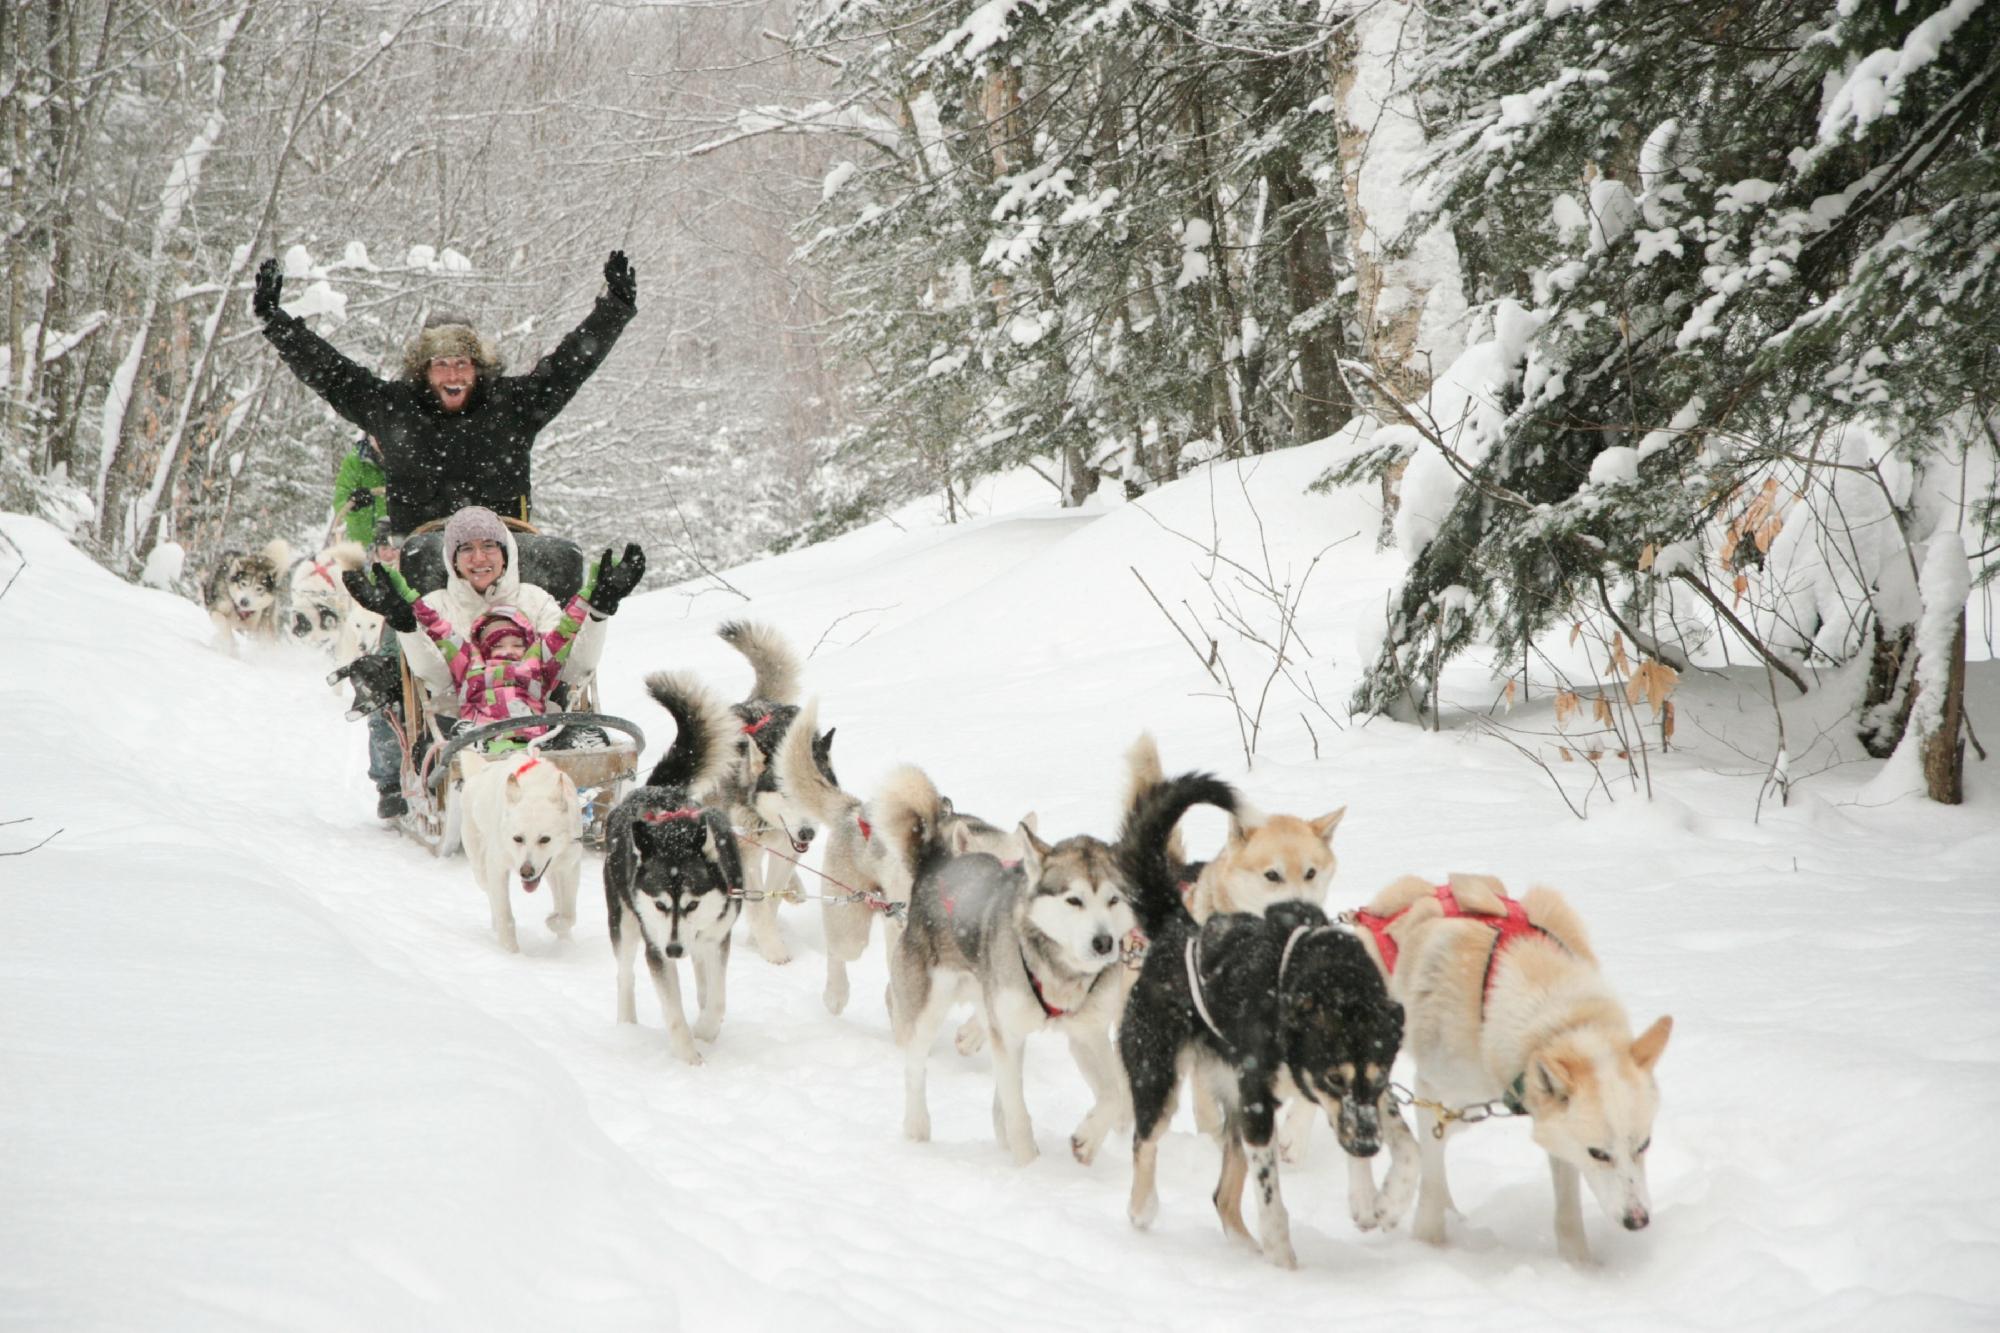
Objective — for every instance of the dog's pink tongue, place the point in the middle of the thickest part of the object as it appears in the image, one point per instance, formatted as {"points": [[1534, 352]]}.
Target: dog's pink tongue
{"points": [[531, 882]]}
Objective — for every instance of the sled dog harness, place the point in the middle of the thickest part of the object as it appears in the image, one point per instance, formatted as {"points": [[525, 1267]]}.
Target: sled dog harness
{"points": [[1193, 956], [1506, 929], [1040, 998]]}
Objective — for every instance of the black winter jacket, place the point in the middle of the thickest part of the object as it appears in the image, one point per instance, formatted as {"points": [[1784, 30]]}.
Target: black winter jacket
{"points": [[437, 462]]}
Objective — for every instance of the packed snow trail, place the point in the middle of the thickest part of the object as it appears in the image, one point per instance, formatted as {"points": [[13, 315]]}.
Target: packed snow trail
{"points": [[267, 1067]]}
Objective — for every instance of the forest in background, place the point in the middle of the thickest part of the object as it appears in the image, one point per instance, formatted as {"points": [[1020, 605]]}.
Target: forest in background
{"points": [[1668, 326]]}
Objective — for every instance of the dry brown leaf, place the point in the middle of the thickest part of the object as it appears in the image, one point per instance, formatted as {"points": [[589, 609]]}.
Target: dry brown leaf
{"points": [[1600, 708], [1742, 586], [1511, 684], [1667, 721], [1594, 756], [1646, 557], [1566, 703], [1575, 633], [1619, 662], [1563, 750]]}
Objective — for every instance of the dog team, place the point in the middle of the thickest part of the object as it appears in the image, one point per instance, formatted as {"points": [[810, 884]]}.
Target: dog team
{"points": [[1226, 975]]}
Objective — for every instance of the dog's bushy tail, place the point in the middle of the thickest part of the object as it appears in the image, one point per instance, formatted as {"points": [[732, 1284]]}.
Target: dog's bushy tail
{"points": [[703, 726], [1143, 772], [769, 655], [801, 776], [1150, 870], [909, 817]]}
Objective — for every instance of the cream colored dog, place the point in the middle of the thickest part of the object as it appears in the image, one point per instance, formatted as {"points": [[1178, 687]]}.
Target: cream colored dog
{"points": [[1505, 1005], [522, 815]]}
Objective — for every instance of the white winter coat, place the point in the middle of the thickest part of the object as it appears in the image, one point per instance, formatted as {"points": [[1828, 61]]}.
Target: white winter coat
{"points": [[461, 607]]}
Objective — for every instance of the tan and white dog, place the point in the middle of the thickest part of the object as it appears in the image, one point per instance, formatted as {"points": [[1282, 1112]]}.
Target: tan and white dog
{"points": [[241, 594], [522, 816], [1506, 1006]]}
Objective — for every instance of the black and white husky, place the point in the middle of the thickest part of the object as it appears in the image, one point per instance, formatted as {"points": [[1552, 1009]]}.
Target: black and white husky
{"points": [[672, 879], [1257, 1008], [1036, 946]]}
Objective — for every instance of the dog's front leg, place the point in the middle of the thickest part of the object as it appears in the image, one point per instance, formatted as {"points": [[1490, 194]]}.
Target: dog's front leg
{"points": [[711, 968], [1571, 1243], [1274, 1224], [625, 947], [1010, 1102], [1399, 1184], [1295, 1129], [761, 885], [562, 887], [1433, 1192], [495, 879], [667, 981], [1090, 1046], [847, 926]]}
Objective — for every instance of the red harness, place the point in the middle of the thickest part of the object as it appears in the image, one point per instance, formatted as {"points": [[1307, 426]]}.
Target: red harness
{"points": [[324, 573], [752, 728], [1506, 929]]}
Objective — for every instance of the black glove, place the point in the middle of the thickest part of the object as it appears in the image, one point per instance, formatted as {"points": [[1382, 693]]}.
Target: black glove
{"points": [[622, 279], [616, 580], [270, 286], [381, 597], [377, 684]]}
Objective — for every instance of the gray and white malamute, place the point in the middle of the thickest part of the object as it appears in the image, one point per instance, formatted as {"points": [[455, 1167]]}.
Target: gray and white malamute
{"points": [[857, 861], [1036, 946], [672, 879], [242, 594]]}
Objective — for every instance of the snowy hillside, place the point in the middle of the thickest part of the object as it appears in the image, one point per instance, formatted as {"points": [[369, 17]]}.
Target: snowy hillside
{"points": [[264, 1066]]}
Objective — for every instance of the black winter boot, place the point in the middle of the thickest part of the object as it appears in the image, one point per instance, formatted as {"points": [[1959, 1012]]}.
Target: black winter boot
{"points": [[390, 805]]}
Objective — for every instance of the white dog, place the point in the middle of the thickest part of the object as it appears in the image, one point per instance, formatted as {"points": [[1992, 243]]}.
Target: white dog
{"points": [[522, 816]]}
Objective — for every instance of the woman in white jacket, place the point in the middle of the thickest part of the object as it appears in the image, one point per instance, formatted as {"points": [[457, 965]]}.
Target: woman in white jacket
{"points": [[484, 564]]}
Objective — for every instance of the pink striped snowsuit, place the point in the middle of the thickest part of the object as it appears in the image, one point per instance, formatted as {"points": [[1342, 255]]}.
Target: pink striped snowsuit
{"points": [[497, 690]]}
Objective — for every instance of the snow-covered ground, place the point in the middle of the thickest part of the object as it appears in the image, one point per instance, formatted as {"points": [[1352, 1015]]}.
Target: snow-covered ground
{"points": [[264, 1066]]}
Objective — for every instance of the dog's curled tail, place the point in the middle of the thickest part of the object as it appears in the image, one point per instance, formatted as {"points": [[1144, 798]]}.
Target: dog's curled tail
{"points": [[800, 774], [702, 725], [1143, 772], [1143, 845], [769, 655], [909, 817]]}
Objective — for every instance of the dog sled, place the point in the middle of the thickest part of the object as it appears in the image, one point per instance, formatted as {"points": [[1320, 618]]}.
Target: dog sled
{"points": [[602, 769]]}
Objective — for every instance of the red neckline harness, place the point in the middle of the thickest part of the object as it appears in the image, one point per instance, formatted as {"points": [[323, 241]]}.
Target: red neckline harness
{"points": [[1506, 928], [1040, 998], [752, 728]]}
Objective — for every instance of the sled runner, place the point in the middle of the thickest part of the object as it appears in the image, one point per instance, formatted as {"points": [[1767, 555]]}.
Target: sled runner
{"points": [[601, 769]]}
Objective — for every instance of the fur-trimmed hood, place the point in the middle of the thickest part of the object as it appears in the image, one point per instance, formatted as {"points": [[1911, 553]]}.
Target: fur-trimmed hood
{"points": [[449, 334]]}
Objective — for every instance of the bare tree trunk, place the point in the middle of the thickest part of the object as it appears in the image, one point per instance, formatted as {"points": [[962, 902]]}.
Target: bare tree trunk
{"points": [[1944, 749], [1410, 301]]}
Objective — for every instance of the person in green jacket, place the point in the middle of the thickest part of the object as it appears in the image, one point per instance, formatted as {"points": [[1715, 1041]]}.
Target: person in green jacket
{"points": [[360, 494]]}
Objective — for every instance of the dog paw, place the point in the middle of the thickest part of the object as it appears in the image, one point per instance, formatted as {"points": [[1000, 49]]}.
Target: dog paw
{"points": [[1023, 1153], [705, 1028], [561, 923], [508, 941], [835, 996], [774, 952], [1083, 1147], [971, 1036], [1429, 1230], [686, 1053], [1145, 1212], [1280, 1253], [917, 1128]]}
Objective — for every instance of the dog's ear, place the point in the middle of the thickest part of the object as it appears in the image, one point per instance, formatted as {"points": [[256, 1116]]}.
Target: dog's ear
{"points": [[1033, 850], [469, 762], [1325, 825], [1554, 1078], [1031, 822], [514, 787], [1652, 1042]]}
